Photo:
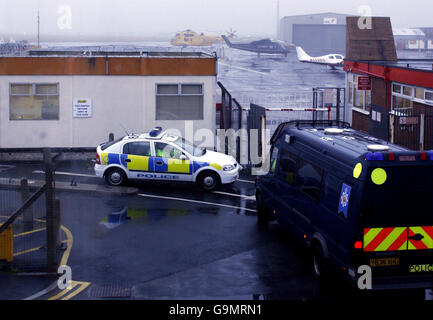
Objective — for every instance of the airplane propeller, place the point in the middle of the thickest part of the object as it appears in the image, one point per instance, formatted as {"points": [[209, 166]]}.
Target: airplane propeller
{"points": [[231, 33]]}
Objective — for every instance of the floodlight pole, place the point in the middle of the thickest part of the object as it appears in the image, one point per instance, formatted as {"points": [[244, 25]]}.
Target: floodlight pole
{"points": [[39, 22]]}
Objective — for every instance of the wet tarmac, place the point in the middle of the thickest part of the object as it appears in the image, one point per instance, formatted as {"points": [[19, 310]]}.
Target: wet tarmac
{"points": [[172, 241], [271, 80]]}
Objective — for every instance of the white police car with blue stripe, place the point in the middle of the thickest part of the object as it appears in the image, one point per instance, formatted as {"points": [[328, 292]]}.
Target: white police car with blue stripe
{"points": [[160, 156]]}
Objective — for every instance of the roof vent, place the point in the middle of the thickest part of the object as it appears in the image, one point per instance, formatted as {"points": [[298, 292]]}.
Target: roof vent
{"points": [[333, 131], [377, 147]]}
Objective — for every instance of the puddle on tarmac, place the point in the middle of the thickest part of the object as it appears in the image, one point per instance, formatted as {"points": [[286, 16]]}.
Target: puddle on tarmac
{"points": [[145, 215]]}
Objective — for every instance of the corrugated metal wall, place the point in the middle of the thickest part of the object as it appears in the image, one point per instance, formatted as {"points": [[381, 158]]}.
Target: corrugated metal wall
{"points": [[331, 38]]}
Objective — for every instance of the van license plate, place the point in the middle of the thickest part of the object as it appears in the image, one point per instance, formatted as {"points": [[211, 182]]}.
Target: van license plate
{"points": [[382, 262], [421, 268]]}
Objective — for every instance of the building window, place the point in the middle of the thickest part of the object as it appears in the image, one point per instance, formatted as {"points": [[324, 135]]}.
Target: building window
{"points": [[419, 93], [396, 88], [403, 96], [401, 103], [179, 102], [34, 101], [358, 98], [407, 91]]}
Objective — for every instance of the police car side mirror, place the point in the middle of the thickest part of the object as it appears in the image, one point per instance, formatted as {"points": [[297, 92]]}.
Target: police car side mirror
{"points": [[182, 157]]}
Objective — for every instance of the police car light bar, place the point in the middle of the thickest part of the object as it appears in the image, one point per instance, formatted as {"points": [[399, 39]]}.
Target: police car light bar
{"points": [[155, 132]]}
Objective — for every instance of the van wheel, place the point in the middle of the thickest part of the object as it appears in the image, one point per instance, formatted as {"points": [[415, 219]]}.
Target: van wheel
{"points": [[263, 215], [319, 262], [115, 177], [209, 180]]}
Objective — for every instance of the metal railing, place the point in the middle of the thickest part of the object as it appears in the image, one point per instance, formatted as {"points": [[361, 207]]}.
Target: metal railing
{"points": [[30, 223]]}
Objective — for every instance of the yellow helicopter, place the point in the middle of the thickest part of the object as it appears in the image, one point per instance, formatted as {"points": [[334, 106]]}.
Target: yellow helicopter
{"points": [[192, 38]]}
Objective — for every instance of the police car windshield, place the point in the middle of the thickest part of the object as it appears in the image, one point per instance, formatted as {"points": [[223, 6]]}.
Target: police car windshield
{"points": [[189, 147], [405, 198]]}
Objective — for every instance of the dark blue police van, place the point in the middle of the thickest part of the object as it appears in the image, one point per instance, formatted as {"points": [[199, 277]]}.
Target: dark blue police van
{"points": [[354, 200]]}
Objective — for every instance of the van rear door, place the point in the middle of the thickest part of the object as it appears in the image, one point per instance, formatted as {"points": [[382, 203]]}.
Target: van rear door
{"points": [[397, 218]]}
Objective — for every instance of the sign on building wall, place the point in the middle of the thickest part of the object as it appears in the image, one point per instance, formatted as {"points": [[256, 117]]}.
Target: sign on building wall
{"points": [[329, 20], [364, 83], [82, 108]]}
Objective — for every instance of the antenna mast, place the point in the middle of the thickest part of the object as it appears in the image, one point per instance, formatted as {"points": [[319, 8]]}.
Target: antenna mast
{"points": [[39, 22], [278, 19]]}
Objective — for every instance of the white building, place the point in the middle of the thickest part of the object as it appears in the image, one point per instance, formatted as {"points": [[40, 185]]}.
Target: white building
{"points": [[409, 39], [61, 99]]}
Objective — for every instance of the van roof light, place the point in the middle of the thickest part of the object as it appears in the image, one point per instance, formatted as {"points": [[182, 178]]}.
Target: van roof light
{"points": [[372, 156], [377, 147], [333, 131]]}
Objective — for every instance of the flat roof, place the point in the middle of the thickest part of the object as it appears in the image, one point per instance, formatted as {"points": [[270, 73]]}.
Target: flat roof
{"points": [[318, 14], [412, 32], [118, 51], [409, 71], [107, 66], [412, 64]]}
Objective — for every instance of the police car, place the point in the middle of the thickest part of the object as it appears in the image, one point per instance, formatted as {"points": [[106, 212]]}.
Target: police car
{"points": [[160, 156]]}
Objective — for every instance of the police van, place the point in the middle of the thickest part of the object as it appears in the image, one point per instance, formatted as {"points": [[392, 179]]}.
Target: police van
{"points": [[160, 156], [354, 200]]}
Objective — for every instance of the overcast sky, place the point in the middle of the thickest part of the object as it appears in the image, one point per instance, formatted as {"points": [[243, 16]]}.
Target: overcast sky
{"points": [[248, 17]]}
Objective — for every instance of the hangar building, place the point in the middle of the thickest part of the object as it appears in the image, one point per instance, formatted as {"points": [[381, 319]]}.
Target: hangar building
{"points": [[322, 31]]}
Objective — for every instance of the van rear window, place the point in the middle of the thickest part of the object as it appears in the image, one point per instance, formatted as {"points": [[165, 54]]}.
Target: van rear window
{"points": [[400, 197], [107, 144]]}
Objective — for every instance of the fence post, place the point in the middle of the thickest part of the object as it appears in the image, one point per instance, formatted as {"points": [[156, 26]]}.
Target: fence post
{"points": [[421, 132], [28, 214], [391, 127], [338, 104], [49, 207], [56, 222]]}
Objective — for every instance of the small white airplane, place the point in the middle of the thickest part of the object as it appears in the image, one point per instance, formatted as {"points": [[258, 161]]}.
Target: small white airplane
{"points": [[333, 60]]}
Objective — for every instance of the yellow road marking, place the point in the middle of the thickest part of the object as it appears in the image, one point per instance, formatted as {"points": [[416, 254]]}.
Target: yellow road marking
{"points": [[80, 285], [28, 232], [63, 292], [69, 242], [83, 285], [26, 251]]}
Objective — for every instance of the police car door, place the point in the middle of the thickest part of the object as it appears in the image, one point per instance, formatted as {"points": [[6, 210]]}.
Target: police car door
{"points": [[135, 158], [171, 163]]}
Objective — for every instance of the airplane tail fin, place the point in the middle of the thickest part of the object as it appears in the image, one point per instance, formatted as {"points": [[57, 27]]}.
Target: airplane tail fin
{"points": [[227, 40], [302, 55]]}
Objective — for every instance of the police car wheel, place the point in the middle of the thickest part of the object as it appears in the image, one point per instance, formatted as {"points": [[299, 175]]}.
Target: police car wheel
{"points": [[115, 177], [209, 180]]}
